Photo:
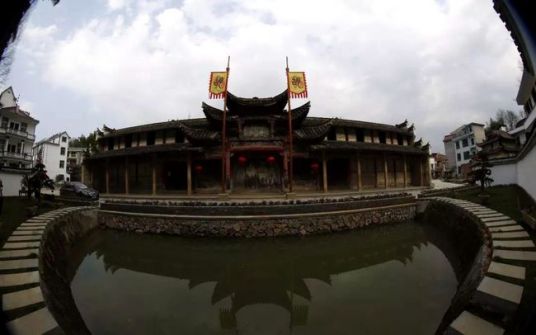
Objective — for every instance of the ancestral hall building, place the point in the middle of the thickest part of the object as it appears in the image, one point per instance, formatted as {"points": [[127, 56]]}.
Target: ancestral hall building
{"points": [[185, 156]]}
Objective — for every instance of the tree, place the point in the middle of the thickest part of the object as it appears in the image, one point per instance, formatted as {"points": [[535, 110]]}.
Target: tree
{"points": [[482, 171], [504, 118], [89, 143]]}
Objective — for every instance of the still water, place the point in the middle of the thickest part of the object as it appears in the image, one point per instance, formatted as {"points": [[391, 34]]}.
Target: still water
{"points": [[383, 280]]}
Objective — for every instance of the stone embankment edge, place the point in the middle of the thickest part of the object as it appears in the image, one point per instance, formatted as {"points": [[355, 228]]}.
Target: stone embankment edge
{"points": [[256, 225], [34, 257], [497, 294]]}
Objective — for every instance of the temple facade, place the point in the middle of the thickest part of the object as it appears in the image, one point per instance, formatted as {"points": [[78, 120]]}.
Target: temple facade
{"points": [[186, 156]]}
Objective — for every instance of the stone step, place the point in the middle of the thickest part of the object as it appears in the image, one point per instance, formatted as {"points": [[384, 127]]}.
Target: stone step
{"points": [[500, 223], [25, 228], [507, 270], [33, 225], [501, 289], [511, 244], [517, 234], [24, 238], [28, 232], [21, 245], [36, 220], [506, 228], [497, 218], [15, 279], [470, 324], [489, 216], [518, 255], [18, 253], [16, 264], [38, 322], [22, 298]]}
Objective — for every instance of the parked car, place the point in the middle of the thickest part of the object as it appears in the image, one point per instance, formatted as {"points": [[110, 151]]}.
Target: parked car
{"points": [[78, 190]]}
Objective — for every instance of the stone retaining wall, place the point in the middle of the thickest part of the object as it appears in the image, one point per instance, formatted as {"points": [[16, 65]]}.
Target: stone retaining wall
{"points": [[257, 225], [491, 290]]}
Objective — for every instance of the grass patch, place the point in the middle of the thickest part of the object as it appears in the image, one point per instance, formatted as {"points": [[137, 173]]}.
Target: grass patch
{"points": [[15, 211], [507, 199]]}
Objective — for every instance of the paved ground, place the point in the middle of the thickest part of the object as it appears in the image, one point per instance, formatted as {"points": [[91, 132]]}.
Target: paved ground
{"points": [[439, 184]]}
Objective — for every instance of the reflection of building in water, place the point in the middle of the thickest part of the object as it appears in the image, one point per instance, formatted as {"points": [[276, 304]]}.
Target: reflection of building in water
{"points": [[248, 273], [185, 156]]}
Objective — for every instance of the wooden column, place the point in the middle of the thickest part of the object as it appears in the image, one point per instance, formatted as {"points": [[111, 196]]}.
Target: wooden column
{"points": [[359, 181], [82, 173], [107, 177], [422, 173], [126, 176], [324, 172], [405, 172], [375, 172], [154, 174], [385, 174], [189, 173]]}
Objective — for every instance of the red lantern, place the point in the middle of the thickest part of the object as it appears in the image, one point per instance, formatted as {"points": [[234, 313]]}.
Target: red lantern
{"points": [[242, 160], [270, 160], [315, 167], [198, 168]]}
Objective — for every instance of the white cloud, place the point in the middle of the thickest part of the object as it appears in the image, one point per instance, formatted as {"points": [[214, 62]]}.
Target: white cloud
{"points": [[436, 64]]}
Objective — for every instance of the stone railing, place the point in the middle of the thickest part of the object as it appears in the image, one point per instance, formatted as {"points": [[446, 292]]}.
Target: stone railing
{"points": [[493, 249], [34, 277]]}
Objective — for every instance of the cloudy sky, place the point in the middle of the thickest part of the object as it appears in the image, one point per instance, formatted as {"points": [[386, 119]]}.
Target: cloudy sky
{"points": [[438, 63]]}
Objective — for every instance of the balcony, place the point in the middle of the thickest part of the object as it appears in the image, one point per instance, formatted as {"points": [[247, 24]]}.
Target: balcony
{"points": [[15, 156], [16, 132]]}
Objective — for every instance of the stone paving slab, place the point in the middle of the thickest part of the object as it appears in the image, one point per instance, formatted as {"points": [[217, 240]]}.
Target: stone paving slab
{"points": [[513, 243], [28, 232], [15, 279], [500, 223], [506, 228], [38, 322], [21, 245], [24, 238], [37, 220], [507, 270], [22, 298], [18, 253], [501, 289], [470, 324], [16, 264], [515, 255], [517, 234]]}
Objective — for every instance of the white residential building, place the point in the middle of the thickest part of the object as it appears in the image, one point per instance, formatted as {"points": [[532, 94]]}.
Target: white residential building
{"points": [[461, 145], [17, 136], [52, 152]]}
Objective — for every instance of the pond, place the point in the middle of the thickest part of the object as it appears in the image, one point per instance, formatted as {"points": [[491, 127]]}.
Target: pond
{"points": [[384, 280]]}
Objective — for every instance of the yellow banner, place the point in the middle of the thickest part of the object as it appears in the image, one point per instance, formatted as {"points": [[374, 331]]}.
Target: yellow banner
{"points": [[297, 85], [217, 85]]}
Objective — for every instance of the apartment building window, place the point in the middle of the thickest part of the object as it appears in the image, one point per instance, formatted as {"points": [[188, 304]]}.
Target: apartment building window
{"points": [[151, 136], [472, 141], [459, 156], [62, 151], [23, 126], [64, 138], [465, 142], [5, 121], [14, 126], [457, 144], [466, 155], [62, 164]]}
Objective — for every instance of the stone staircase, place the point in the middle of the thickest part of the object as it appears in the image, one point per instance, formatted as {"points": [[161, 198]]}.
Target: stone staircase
{"points": [[20, 278], [500, 292]]}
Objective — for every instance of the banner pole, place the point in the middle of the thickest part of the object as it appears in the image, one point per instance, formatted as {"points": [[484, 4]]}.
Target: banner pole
{"points": [[291, 158], [223, 133]]}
